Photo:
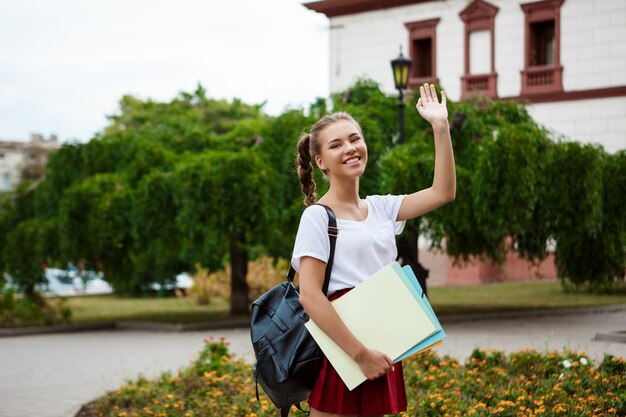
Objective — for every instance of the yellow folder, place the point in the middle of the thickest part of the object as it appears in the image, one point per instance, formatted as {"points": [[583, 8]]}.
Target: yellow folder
{"points": [[383, 314]]}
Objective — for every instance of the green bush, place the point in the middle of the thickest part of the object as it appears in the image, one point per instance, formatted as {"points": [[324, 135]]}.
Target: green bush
{"points": [[489, 383], [17, 310]]}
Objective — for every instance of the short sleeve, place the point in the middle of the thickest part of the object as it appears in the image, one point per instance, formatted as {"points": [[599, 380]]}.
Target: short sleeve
{"points": [[389, 205], [312, 237]]}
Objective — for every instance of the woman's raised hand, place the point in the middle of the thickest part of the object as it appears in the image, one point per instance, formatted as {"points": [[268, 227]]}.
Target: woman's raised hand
{"points": [[429, 106]]}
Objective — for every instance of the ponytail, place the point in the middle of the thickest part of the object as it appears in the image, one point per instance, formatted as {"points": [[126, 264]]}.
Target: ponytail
{"points": [[305, 169]]}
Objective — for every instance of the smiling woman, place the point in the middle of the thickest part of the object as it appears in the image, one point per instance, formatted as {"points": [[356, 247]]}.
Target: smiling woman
{"points": [[365, 243]]}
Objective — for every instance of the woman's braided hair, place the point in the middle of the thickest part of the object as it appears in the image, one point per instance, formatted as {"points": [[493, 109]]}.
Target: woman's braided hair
{"points": [[308, 149]]}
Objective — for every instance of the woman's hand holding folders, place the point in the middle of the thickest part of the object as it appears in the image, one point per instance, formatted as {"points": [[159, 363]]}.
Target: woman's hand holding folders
{"points": [[373, 363]]}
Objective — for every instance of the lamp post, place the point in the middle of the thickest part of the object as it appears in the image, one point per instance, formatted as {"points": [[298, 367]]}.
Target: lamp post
{"points": [[407, 243], [401, 67]]}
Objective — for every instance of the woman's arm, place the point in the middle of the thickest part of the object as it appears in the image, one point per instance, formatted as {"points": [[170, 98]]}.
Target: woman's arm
{"points": [[373, 363], [443, 189]]}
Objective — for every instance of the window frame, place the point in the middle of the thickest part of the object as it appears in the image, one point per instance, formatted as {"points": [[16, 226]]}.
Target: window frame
{"points": [[423, 29], [542, 79], [479, 15]]}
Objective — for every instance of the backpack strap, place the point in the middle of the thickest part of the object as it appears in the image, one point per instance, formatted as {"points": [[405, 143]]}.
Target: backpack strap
{"points": [[332, 236]]}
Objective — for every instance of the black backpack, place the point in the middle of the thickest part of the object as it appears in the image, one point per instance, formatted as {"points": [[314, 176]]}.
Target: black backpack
{"points": [[288, 360]]}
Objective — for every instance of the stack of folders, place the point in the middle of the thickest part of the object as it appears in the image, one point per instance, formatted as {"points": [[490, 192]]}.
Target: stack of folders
{"points": [[388, 312]]}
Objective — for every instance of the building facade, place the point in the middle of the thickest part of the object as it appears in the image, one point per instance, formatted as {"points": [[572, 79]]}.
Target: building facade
{"points": [[20, 158], [567, 58]]}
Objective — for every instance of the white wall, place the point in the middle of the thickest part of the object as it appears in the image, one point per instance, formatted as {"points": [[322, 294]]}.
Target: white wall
{"points": [[600, 121], [593, 44], [509, 50]]}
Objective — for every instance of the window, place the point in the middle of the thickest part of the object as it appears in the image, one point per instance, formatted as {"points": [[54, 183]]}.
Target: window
{"points": [[542, 43], [479, 76], [423, 51], [542, 66]]}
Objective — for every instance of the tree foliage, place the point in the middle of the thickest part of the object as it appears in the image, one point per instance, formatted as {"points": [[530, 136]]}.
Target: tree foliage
{"points": [[168, 185]]}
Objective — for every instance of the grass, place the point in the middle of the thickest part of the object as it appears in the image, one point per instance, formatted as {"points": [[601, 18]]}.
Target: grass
{"points": [[497, 297], [92, 309], [510, 296]]}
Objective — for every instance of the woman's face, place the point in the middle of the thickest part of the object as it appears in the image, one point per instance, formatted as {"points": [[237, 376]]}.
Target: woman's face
{"points": [[342, 150]]}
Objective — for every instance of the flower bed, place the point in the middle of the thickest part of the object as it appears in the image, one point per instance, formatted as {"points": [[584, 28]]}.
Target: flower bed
{"points": [[489, 383]]}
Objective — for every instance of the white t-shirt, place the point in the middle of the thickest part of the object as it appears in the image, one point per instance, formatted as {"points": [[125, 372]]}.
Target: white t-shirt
{"points": [[363, 247]]}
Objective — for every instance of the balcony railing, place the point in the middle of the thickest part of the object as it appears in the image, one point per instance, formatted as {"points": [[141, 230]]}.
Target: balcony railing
{"points": [[541, 80], [483, 84]]}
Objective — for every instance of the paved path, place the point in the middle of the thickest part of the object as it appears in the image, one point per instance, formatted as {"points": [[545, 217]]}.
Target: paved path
{"points": [[53, 375]]}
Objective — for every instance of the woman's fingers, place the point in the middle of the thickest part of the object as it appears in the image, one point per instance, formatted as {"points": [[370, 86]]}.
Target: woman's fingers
{"points": [[389, 362], [429, 97], [443, 97], [428, 94]]}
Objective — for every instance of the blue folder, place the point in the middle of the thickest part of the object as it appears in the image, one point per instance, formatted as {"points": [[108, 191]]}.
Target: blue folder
{"points": [[410, 280]]}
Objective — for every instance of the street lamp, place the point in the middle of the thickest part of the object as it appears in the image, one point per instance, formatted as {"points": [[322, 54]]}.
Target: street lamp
{"points": [[401, 67], [408, 243]]}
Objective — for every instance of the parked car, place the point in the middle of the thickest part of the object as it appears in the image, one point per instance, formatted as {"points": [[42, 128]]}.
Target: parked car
{"points": [[183, 282], [69, 283], [95, 283], [60, 282]]}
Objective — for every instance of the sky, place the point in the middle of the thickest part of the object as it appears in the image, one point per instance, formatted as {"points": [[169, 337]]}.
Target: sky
{"points": [[65, 64]]}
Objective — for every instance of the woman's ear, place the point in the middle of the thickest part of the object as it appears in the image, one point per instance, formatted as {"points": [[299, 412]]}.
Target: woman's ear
{"points": [[319, 162]]}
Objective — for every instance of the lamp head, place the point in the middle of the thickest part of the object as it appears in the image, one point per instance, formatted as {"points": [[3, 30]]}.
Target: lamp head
{"points": [[401, 67]]}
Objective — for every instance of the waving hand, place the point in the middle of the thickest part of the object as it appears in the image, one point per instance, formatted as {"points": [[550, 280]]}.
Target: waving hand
{"points": [[429, 106]]}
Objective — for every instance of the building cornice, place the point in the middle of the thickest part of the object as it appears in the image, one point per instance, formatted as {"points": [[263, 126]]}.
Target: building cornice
{"points": [[333, 8], [610, 92]]}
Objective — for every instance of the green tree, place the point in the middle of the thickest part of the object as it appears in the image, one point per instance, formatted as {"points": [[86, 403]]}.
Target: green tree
{"points": [[225, 200], [156, 252], [95, 226], [584, 192], [278, 147], [22, 256]]}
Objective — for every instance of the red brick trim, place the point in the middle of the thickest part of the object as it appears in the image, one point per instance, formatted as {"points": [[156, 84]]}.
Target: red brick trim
{"points": [[332, 8], [609, 92], [423, 29], [479, 15], [539, 80]]}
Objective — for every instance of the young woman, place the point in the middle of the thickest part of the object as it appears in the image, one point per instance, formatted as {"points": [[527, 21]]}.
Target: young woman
{"points": [[366, 243]]}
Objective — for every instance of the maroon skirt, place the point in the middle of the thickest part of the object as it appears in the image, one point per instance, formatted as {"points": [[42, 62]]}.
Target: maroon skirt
{"points": [[384, 395]]}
